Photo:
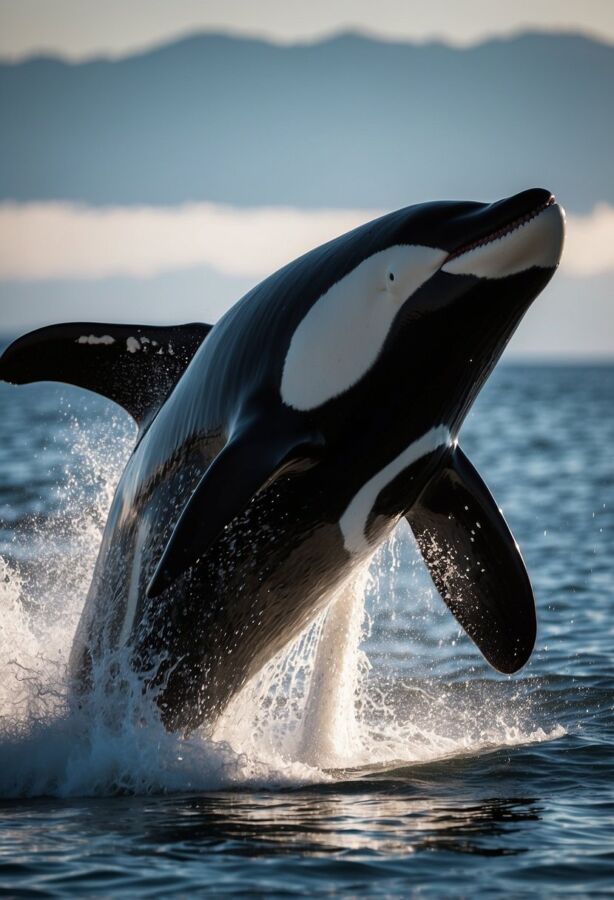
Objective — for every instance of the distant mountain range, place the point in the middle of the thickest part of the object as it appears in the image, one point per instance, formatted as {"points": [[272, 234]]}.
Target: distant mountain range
{"points": [[348, 122]]}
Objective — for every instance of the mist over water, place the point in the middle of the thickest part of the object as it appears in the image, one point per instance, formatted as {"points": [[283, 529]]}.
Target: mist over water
{"points": [[379, 733]]}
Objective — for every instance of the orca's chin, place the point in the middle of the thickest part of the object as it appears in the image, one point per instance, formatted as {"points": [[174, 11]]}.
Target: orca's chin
{"points": [[514, 242]]}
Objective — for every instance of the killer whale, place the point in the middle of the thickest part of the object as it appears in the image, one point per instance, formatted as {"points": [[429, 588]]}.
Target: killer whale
{"points": [[278, 448]]}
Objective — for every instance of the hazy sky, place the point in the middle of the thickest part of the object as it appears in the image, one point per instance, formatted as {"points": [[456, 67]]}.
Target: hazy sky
{"points": [[190, 262], [41, 241], [83, 27]]}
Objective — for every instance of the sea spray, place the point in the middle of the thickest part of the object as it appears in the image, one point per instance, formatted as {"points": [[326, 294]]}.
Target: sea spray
{"points": [[313, 713], [302, 706], [330, 730]]}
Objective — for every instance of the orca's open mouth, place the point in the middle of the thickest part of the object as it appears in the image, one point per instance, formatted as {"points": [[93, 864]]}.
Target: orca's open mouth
{"points": [[503, 231]]}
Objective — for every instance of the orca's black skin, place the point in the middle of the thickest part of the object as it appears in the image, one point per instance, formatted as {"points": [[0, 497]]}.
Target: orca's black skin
{"points": [[224, 569]]}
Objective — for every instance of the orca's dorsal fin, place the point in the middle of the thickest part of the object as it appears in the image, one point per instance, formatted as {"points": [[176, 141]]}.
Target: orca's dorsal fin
{"points": [[475, 563], [134, 365], [251, 460]]}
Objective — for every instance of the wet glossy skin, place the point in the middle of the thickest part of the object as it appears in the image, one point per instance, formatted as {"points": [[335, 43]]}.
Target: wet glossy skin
{"points": [[273, 567]]}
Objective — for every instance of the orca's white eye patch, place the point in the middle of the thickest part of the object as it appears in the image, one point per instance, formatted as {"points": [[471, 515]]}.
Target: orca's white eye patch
{"points": [[342, 334]]}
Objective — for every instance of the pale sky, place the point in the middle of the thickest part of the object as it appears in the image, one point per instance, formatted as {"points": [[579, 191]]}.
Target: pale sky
{"points": [[68, 261], [62, 261], [40, 241], [81, 28]]}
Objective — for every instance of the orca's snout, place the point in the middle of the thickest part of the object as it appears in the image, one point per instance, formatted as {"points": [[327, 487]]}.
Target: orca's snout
{"points": [[519, 205], [521, 232]]}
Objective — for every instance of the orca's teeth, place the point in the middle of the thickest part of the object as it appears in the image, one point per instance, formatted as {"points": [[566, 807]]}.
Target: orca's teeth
{"points": [[514, 225]]}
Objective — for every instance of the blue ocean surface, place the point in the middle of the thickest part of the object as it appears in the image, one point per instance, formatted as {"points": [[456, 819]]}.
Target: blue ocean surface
{"points": [[450, 780]]}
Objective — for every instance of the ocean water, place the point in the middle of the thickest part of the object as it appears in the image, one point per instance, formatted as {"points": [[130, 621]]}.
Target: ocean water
{"points": [[436, 777]]}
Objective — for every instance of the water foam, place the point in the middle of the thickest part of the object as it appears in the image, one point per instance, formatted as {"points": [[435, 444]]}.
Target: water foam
{"points": [[316, 711]]}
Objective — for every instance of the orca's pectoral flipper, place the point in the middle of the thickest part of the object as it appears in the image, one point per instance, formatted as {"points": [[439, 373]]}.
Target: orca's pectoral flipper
{"points": [[250, 461], [134, 365], [475, 563]]}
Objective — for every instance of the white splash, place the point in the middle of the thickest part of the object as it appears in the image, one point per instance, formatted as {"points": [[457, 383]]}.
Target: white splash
{"points": [[317, 710], [330, 730]]}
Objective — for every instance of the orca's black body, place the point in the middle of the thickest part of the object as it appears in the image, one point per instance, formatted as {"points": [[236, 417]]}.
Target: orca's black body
{"points": [[278, 448]]}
